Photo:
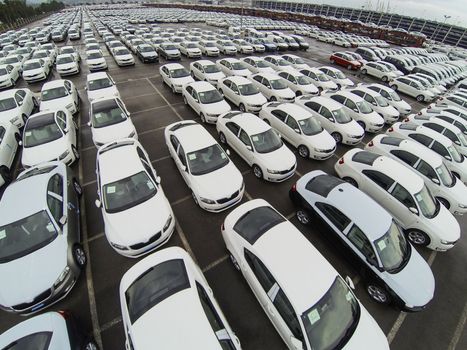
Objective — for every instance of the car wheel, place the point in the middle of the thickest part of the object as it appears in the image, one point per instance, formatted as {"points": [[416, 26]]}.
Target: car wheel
{"points": [[75, 152], [5, 174], [362, 124], [257, 171], [420, 98], [350, 181], [298, 93], [384, 79], [302, 216], [303, 151], [378, 293], [222, 138], [273, 99], [337, 137], [444, 202], [91, 345], [242, 107], [79, 256], [394, 87], [364, 71], [77, 187], [418, 237], [203, 118]]}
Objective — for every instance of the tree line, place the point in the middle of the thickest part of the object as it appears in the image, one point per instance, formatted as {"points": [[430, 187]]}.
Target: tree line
{"points": [[13, 10]]}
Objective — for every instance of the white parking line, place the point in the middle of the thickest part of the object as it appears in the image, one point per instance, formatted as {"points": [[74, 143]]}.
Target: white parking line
{"points": [[163, 97], [181, 200], [215, 263], [89, 183], [247, 195], [185, 243], [111, 323], [96, 237], [154, 108], [459, 329], [160, 159]]}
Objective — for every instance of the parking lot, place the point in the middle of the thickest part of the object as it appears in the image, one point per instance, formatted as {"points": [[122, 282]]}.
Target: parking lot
{"points": [[153, 106]]}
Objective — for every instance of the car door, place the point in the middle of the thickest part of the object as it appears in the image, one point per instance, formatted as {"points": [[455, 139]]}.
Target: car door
{"points": [[166, 75], [278, 121], [226, 89], [401, 204], [188, 95], [232, 135], [245, 147], [6, 149], [292, 130], [180, 160], [195, 101]]}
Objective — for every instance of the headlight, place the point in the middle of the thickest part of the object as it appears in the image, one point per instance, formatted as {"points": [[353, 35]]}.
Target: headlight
{"points": [[207, 201], [273, 171], [62, 277], [64, 155], [167, 223], [462, 206], [445, 242], [118, 246]]}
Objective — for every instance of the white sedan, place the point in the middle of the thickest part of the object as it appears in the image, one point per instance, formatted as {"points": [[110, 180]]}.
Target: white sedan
{"points": [[155, 289], [299, 83], [35, 70], [257, 65], [16, 105], [378, 70], [110, 121], [206, 70], [214, 180], [66, 64], [258, 144], [48, 136], [337, 77], [299, 128], [137, 215], [378, 103], [9, 136], [175, 76], [123, 56], [392, 98], [60, 94], [242, 93], [9, 75], [189, 49], [232, 66], [273, 87], [100, 85], [95, 60], [205, 100]]}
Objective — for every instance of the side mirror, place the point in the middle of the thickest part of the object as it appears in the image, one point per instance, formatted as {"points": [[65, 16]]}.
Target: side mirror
{"points": [[20, 143], [457, 142], [448, 157], [413, 210], [98, 203], [297, 131], [85, 88], [158, 180], [89, 123], [248, 147], [436, 181], [296, 344], [65, 130], [331, 119], [20, 103], [349, 282], [62, 221], [228, 152]]}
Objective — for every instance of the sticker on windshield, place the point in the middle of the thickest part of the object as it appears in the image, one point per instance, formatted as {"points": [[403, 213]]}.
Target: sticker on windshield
{"points": [[223, 156], [98, 115], [255, 138], [2, 234], [301, 122], [313, 316], [419, 197], [122, 115], [50, 227], [381, 245], [111, 189], [150, 185], [192, 156]]}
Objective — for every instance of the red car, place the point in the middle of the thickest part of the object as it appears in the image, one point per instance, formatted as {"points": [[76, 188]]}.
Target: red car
{"points": [[345, 60]]}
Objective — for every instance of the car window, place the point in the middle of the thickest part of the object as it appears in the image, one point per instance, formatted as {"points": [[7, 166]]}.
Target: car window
{"points": [[258, 78], [334, 215], [36, 341], [279, 114], [234, 128], [287, 313], [338, 98], [227, 83], [379, 178], [245, 138], [259, 270], [61, 120], [435, 127], [440, 149], [292, 123], [350, 104], [2, 133], [405, 156], [325, 112], [403, 196], [21, 93], [361, 242], [209, 310], [424, 140], [181, 155], [424, 168], [313, 106]]}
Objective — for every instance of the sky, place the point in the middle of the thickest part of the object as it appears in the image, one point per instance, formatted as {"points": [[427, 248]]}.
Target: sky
{"points": [[429, 9]]}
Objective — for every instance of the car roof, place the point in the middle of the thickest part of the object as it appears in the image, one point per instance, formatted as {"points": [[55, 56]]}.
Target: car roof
{"points": [[296, 111], [194, 137], [426, 131], [201, 86], [237, 79], [204, 62], [250, 124], [268, 76], [325, 101], [95, 76], [172, 66], [8, 93], [230, 59], [349, 95]]}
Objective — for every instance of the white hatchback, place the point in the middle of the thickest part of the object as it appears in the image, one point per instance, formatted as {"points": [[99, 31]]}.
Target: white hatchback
{"points": [[60, 94]]}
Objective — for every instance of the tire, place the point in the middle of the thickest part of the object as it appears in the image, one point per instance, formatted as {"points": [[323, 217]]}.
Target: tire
{"points": [[77, 187], [303, 217], [394, 87], [420, 98], [195, 199], [298, 93], [378, 293], [418, 237], [362, 124], [203, 118], [6, 174], [257, 171], [273, 99], [350, 181], [303, 151], [75, 153], [337, 137], [222, 138], [79, 256], [444, 202], [364, 71], [267, 121], [234, 261], [242, 107]]}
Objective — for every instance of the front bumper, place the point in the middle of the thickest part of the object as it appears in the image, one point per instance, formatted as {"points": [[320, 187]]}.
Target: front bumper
{"points": [[225, 203]]}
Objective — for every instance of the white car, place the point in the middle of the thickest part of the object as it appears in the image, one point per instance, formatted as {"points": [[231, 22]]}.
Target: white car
{"points": [[444, 186], [123, 57], [258, 144], [378, 70], [257, 65], [297, 62], [337, 77], [208, 48], [455, 161], [334, 118], [299, 128], [16, 105], [450, 116], [392, 98], [243, 46], [47, 55], [378, 103], [277, 63], [14, 60], [299, 83], [66, 64], [226, 47], [175, 76], [214, 180], [242, 93], [35, 70], [359, 109], [321, 80], [71, 51], [273, 87], [100, 85], [60, 94], [95, 60], [412, 88], [110, 120], [205, 100], [48, 136], [403, 193], [297, 290], [9, 75], [9, 137], [232, 66], [154, 290], [206, 70], [452, 101], [190, 49], [137, 215]]}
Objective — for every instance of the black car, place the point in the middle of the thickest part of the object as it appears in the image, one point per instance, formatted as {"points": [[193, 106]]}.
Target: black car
{"points": [[146, 53]]}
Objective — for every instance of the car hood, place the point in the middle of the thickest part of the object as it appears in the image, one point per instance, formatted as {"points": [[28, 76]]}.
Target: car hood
{"points": [[25, 278], [217, 108], [242, 72], [346, 82], [95, 60], [182, 81], [107, 92], [215, 76], [124, 57], [401, 105], [66, 66], [43, 153], [446, 225], [323, 140], [57, 103], [32, 72], [138, 224], [388, 110], [286, 93], [220, 183], [281, 159], [192, 49], [352, 128], [149, 54], [112, 132], [257, 99]]}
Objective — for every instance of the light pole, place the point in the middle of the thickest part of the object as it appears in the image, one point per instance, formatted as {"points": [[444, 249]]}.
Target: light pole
{"points": [[241, 22], [360, 14], [446, 17]]}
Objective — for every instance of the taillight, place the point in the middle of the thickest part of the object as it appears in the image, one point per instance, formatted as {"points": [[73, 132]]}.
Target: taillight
{"points": [[370, 144], [341, 161], [429, 107], [294, 188], [391, 129], [440, 99]]}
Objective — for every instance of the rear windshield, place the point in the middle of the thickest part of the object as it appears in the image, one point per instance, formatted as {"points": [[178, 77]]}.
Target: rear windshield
{"points": [[253, 224], [323, 184]]}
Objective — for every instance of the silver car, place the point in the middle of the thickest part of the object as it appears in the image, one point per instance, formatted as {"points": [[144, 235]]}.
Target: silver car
{"points": [[40, 252]]}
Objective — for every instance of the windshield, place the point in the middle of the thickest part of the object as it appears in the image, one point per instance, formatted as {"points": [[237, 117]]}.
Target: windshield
{"points": [[191, 46], [340, 75], [330, 323], [105, 114], [267, 141], [212, 68], [52, 94], [121, 52], [179, 73], [462, 139], [40, 130], [364, 107], [310, 126], [10, 60], [207, 160], [238, 66], [211, 96], [261, 64], [381, 101], [283, 63], [68, 50], [146, 49], [169, 47], [3, 71], [64, 60], [456, 156], [209, 44], [278, 84], [322, 77], [341, 117], [31, 65], [428, 205], [395, 96], [248, 89], [25, 236], [304, 80], [128, 192], [392, 248], [99, 84], [445, 175], [94, 55], [7, 104]]}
